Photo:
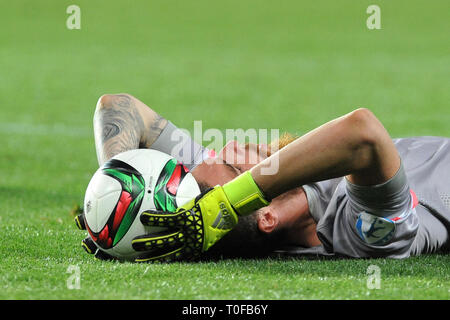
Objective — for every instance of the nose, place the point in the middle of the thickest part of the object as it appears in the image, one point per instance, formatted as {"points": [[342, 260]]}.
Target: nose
{"points": [[233, 153], [263, 150]]}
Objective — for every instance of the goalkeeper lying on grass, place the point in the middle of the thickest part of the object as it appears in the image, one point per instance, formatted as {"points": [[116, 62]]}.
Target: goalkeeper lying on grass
{"points": [[345, 189]]}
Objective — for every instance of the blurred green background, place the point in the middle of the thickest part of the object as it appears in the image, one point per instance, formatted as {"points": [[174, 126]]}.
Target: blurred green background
{"points": [[290, 65]]}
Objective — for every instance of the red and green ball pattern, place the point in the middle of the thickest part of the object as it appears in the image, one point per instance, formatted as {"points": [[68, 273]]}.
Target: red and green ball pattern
{"points": [[133, 190], [167, 185], [126, 209]]}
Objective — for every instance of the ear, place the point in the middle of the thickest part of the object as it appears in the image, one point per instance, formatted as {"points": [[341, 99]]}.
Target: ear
{"points": [[267, 220]]}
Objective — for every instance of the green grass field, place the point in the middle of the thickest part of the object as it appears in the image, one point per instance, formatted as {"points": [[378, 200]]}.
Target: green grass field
{"points": [[291, 65]]}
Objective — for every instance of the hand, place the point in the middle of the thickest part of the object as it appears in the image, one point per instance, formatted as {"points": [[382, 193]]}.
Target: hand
{"points": [[88, 244], [191, 230], [200, 223]]}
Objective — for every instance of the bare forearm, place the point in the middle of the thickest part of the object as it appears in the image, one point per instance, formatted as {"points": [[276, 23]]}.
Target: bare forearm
{"points": [[354, 145], [121, 123]]}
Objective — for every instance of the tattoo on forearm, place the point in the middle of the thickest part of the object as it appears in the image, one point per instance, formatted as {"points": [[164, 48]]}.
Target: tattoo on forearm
{"points": [[118, 127], [151, 134], [110, 130]]}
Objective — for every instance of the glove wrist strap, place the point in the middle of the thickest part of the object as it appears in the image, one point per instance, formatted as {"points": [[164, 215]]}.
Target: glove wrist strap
{"points": [[244, 194]]}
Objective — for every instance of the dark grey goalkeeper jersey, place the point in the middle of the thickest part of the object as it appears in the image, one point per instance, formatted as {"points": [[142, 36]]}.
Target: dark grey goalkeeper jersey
{"points": [[408, 215]]}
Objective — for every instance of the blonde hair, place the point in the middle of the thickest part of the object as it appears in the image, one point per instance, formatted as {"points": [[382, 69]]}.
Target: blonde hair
{"points": [[285, 139]]}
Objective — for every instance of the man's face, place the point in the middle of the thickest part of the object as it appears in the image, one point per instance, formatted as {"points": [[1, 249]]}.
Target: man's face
{"points": [[243, 157], [231, 161]]}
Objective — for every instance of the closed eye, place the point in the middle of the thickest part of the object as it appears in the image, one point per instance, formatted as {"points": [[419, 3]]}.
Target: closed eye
{"points": [[235, 170]]}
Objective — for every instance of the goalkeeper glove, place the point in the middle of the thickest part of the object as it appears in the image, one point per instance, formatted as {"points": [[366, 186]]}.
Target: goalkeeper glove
{"points": [[88, 244], [199, 224]]}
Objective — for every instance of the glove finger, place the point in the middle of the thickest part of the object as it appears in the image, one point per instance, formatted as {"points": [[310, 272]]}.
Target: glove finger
{"points": [[165, 219], [162, 255], [89, 245], [101, 255], [166, 240], [79, 221]]}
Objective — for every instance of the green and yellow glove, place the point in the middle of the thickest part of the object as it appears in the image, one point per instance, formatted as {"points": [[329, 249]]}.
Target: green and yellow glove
{"points": [[200, 223]]}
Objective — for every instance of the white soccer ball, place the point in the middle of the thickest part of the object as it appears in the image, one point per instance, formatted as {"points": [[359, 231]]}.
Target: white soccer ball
{"points": [[124, 187]]}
